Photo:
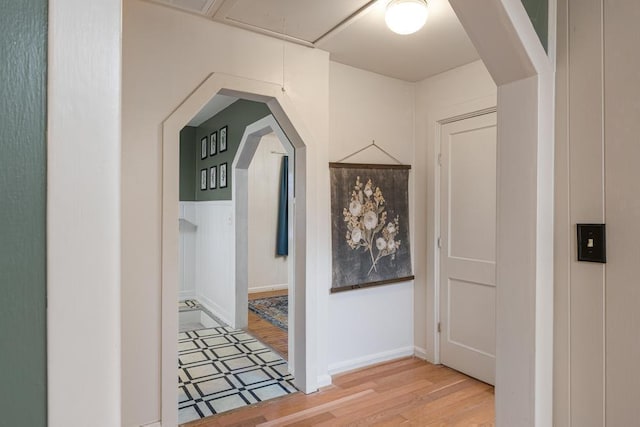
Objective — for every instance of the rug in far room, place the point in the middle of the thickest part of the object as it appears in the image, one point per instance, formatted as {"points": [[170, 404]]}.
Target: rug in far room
{"points": [[275, 310]]}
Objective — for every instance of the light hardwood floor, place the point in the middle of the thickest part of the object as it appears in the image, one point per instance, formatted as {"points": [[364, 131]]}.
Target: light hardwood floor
{"points": [[264, 331], [407, 392]]}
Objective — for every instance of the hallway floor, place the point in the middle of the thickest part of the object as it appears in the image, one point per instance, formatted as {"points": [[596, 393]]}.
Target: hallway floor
{"points": [[405, 392]]}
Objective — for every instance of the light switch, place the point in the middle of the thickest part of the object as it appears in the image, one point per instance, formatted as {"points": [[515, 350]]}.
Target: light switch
{"points": [[591, 243]]}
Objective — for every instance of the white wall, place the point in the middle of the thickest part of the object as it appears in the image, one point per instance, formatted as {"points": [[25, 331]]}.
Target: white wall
{"points": [[597, 345], [622, 205], [83, 214], [266, 270], [377, 323], [188, 228], [459, 91], [166, 55], [579, 295]]}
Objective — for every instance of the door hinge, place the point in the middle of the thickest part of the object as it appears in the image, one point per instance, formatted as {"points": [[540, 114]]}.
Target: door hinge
{"points": [[439, 327], [439, 243], [439, 159]]}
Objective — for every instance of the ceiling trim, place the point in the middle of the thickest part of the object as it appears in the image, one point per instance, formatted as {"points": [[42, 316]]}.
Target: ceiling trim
{"points": [[211, 5], [275, 34], [220, 9], [220, 15], [346, 22], [214, 7]]}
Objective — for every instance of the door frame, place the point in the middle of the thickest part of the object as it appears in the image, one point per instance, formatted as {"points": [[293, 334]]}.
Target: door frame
{"points": [[251, 138], [305, 323], [472, 110], [458, 112]]}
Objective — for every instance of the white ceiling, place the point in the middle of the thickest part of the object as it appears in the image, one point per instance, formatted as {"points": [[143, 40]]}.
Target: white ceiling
{"points": [[367, 43], [353, 31]]}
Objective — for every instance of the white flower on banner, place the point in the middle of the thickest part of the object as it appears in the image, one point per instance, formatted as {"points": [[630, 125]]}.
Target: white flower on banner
{"points": [[355, 208], [370, 220], [367, 225], [356, 235]]}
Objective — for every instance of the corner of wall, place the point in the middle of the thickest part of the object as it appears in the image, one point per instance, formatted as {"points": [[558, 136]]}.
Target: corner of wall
{"points": [[324, 380]]}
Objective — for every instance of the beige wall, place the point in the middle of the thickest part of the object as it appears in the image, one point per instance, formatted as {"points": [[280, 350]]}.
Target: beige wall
{"points": [[597, 180]]}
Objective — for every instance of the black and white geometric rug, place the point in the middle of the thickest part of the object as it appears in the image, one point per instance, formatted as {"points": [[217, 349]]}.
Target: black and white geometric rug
{"points": [[223, 368], [189, 304]]}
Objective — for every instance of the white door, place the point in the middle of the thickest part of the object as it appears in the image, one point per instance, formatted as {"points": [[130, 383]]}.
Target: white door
{"points": [[468, 246]]}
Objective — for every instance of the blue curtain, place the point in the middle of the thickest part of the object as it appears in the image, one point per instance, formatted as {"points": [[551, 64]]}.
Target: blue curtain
{"points": [[282, 238]]}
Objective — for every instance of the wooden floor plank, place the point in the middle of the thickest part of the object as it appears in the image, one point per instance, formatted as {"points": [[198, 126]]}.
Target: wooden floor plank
{"points": [[436, 412], [376, 372], [406, 392], [392, 402], [393, 420], [381, 401], [313, 421], [267, 332], [311, 412]]}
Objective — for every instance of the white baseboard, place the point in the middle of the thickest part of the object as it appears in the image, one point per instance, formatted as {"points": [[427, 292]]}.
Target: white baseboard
{"points": [[324, 381], [268, 288], [156, 424], [215, 309], [420, 353], [371, 359]]}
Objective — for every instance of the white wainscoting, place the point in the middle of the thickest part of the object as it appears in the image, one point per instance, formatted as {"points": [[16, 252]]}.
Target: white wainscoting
{"points": [[214, 249], [188, 229]]}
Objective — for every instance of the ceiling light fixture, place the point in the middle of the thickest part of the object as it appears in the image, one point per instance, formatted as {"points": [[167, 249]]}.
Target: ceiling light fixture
{"points": [[406, 16]]}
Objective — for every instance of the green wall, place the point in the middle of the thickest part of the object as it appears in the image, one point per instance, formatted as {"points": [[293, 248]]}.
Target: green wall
{"points": [[23, 360], [538, 11], [236, 117], [187, 164]]}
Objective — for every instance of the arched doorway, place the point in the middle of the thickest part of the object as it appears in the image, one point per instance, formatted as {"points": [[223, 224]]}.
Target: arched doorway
{"points": [[283, 120], [248, 146]]}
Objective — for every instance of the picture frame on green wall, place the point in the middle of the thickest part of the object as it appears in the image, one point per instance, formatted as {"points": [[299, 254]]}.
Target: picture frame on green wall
{"points": [[203, 179], [203, 148], [223, 175], [213, 175], [213, 143], [223, 139]]}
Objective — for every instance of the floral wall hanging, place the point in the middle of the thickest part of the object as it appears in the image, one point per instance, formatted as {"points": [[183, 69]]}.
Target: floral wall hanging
{"points": [[370, 225]]}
